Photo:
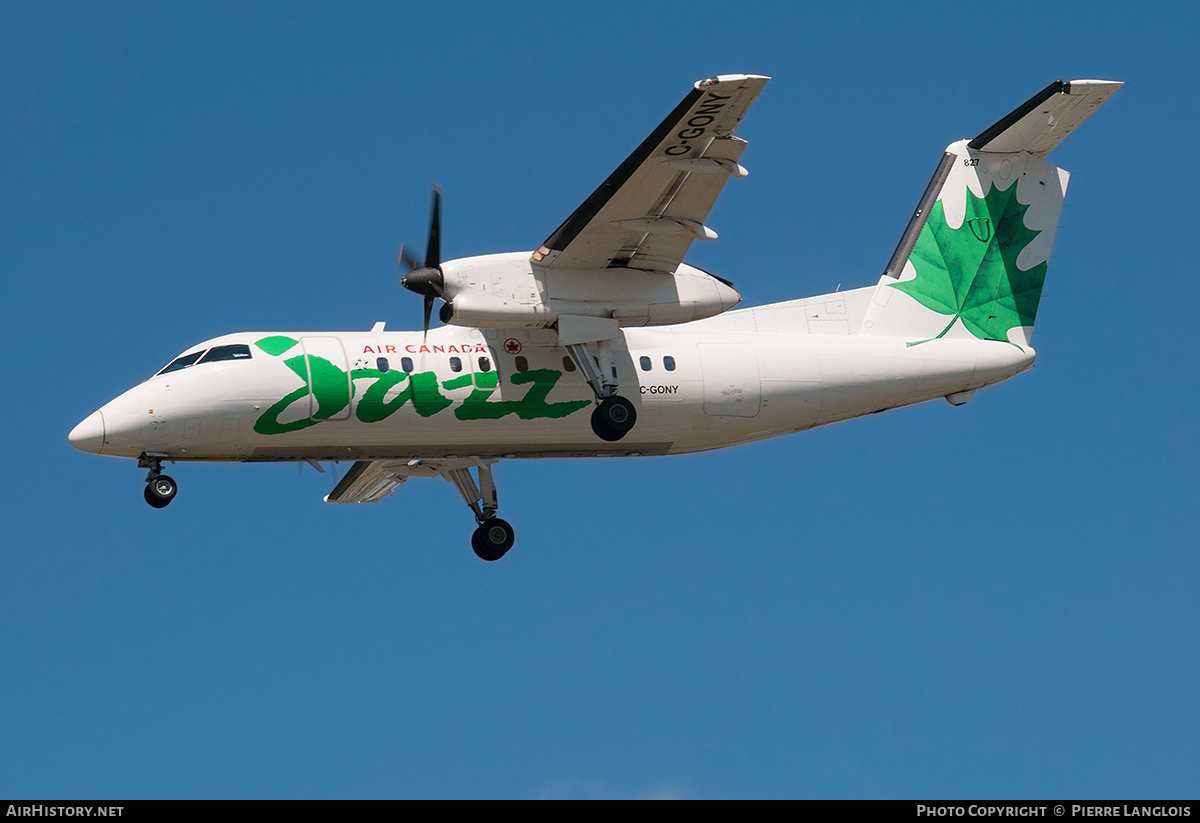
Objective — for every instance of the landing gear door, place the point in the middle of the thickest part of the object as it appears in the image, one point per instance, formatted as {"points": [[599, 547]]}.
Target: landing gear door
{"points": [[328, 378], [731, 384]]}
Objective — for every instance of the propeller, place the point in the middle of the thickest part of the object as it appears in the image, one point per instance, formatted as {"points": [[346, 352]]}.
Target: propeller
{"points": [[427, 280]]}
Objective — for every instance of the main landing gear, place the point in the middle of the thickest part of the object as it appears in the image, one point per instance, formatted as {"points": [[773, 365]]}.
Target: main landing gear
{"points": [[614, 416], [494, 537], [160, 489]]}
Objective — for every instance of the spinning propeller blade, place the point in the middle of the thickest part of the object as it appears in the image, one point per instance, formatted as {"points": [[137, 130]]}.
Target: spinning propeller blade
{"points": [[427, 280]]}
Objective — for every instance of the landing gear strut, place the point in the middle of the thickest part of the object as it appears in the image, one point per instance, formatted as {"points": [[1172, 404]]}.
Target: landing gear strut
{"points": [[160, 489], [494, 537], [614, 416]]}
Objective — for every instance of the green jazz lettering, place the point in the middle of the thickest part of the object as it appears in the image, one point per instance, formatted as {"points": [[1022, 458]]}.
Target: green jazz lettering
{"points": [[533, 405], [328, 391]]}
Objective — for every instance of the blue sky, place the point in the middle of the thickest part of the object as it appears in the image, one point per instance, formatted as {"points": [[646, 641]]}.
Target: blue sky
{"points": [[997, 600]]}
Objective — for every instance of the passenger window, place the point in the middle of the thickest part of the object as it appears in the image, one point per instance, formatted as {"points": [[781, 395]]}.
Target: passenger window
{"points": [[455, 364], [669, 363], [485, 364], [406, 364], [644, 361], [521, 363], [182, 362], [568, 363], [381, 363], [234, 351]]}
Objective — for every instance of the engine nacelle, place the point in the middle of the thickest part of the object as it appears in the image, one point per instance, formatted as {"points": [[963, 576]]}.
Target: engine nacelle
{"points": [[470, 305], [509, 291]]}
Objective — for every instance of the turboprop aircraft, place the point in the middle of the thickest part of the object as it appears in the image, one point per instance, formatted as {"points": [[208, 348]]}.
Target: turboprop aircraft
{"points": [[604, 342]]}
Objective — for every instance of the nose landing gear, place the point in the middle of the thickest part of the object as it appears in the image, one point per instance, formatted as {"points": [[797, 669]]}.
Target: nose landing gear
{"points": [[160, 489]]}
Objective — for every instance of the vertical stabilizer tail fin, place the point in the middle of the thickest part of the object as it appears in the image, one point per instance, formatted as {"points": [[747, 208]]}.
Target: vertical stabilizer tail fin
{"points": [[972, 260]]}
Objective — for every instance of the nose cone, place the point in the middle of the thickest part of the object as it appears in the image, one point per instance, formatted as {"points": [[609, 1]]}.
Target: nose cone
{"points": [[88, 436]]}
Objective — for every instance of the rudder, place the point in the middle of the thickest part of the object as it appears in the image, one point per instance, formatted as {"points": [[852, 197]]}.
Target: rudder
{"points": [[973, 259]]}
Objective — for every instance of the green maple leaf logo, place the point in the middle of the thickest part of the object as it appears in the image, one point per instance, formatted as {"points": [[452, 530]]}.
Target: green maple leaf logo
{"points": [[971, 274]]}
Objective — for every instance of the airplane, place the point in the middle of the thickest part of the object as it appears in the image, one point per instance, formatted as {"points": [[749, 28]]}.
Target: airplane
{"points": [[604, 342]]}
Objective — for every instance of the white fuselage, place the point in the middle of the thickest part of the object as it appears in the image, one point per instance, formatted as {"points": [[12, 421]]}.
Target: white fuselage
{"points": [[742, 376]]}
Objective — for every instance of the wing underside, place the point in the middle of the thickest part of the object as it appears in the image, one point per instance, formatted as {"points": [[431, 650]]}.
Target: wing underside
{"points": [[369, 481], [647, 213]]}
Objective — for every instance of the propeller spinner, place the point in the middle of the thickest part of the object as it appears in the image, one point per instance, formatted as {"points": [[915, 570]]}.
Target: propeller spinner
{"points": [[427, 280]]}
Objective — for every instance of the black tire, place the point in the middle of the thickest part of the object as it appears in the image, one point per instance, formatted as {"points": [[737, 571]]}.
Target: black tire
{"points": [[492, 539], [613, 418], [160, 491], [156, 502]]}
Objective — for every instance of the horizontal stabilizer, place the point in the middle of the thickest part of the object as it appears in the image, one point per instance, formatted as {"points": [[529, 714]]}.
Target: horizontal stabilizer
{"points": [[973, 259], [1045, 119]]}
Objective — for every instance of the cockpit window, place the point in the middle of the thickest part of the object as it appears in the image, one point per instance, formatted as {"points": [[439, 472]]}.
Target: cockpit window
{"points": [[234, 351], [182, 362]]}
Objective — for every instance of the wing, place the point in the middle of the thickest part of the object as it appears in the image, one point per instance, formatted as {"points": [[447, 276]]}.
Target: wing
{"points": [[648, 212], [369, 481]]}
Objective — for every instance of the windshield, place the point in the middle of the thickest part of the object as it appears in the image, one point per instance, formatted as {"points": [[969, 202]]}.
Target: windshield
{"points": [[182, 362], [232, 351], [235, 351]]}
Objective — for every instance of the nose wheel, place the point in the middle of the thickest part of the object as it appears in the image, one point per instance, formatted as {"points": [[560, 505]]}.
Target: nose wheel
{"points": [[160, 489]]}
